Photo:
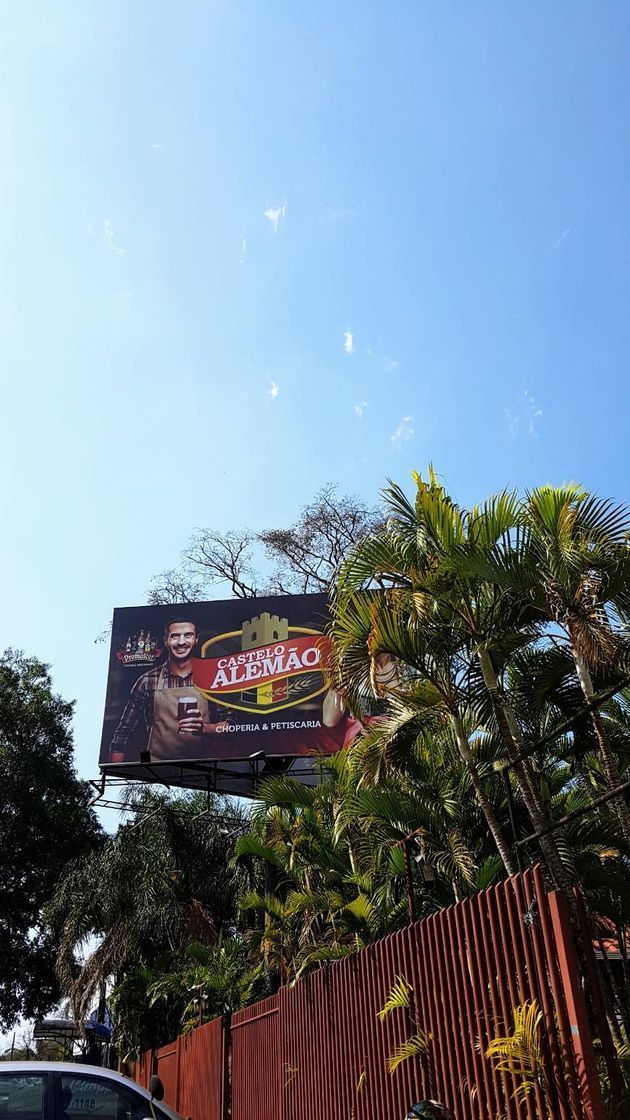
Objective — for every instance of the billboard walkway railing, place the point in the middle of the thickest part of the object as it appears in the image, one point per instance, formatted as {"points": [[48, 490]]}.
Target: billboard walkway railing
{"points": [[318, 1050]]}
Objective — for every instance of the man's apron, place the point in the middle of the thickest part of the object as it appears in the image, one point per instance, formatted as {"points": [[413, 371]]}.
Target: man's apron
{"points": [[165, 740]]}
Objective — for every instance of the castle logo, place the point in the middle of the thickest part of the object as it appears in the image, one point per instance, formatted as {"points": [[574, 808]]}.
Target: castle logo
{"points": [[264, 667]]}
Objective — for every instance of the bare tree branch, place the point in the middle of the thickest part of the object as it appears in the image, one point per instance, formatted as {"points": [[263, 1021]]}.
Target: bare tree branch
{"points": [[174, 587], [306, 556]]}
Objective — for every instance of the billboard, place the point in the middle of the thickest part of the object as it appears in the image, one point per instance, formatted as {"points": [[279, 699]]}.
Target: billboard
{"points": [[217, 695]]}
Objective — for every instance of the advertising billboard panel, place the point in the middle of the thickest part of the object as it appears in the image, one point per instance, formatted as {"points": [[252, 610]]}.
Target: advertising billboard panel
{"points": [[216, 695]]}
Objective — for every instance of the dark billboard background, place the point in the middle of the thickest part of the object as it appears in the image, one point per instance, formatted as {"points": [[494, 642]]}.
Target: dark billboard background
{"points": [[260, 693]]}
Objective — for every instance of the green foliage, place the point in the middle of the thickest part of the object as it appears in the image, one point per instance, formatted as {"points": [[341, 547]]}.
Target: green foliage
{"points": [[520, 1053], [400, 998], [325, 874], [154, 887], [414, 1047], [204, 981], [45, 821]]}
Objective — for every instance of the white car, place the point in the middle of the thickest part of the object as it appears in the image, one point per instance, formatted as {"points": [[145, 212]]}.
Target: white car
{"points": [[65, 1091]]}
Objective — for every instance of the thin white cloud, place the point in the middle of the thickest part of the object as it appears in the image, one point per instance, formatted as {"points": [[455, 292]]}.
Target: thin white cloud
{"points": [[104, 231], [243, 253], [275, 214], [404, 432], [524, 416], [348, 342], [360, 408], [387, 364], [512, 420], [534, 414], [560, 241], [274, 389]]}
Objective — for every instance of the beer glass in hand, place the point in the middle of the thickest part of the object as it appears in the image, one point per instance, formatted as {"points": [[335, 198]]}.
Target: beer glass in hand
{"points": [[189, 716]]}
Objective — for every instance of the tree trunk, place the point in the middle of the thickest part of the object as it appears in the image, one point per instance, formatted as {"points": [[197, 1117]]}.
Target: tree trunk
{"points": [[609, 763], [273, 977], [484, 802], [512, 741]]}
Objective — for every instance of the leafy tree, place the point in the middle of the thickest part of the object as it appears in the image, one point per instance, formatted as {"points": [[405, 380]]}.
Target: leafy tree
{"points": [[45, 821], [467, 569], [303, 557], [339, 875], [204, 981], [183, 989], [579, 552], [155, 886], [436, 693], [535, 595]]}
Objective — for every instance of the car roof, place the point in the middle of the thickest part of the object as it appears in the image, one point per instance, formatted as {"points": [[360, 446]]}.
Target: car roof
{"points": [[77, 1069]]}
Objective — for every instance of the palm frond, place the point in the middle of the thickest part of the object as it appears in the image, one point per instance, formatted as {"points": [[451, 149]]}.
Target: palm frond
{"points": [[520, 1053], [398, 998], [414, 1047]]}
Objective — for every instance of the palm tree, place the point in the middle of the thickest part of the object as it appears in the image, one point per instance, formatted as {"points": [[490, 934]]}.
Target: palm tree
{"points": [[151, 888], [339, 872], [204, 981], [436, 677], [462, 566], [579, 554]]}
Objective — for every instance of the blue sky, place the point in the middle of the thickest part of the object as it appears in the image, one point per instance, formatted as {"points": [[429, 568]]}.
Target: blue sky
{"points": [[250, 248]]}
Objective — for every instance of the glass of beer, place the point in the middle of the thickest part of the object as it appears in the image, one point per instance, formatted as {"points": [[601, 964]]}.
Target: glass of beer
{"points": [[186, 706]]}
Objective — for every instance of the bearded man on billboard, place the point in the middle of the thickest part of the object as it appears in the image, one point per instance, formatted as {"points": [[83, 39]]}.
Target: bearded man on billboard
{"points": [[166, 702]]}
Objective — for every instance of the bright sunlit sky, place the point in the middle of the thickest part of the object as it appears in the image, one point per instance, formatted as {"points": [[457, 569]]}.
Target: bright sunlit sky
{"points": [[250, 248]]}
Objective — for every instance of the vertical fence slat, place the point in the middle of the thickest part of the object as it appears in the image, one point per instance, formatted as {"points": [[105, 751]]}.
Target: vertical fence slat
{"points": [[516, 980], [563, 1033], [453, 1072], [472, 1090], [424, 1006], [580, 1033], [503, 965], [478, 1062], [526, 984], [482, 1014], [540, 990], [416, 1085], [488, 954], [441, 1044]]}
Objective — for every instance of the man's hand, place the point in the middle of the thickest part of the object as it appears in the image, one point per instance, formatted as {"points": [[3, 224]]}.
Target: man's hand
{"points": [[192, 724]]}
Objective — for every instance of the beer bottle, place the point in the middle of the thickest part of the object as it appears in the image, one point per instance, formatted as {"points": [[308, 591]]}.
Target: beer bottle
{"points": [[128, 645], [141, 642]]}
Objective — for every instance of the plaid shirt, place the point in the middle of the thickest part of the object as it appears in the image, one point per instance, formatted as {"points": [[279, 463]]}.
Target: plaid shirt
{"points": [[139, 708]]}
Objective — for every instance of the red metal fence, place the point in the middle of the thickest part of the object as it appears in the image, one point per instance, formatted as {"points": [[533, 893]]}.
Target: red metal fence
{"points": [[256, 1066], [192, 1070], [318, 1051]]}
